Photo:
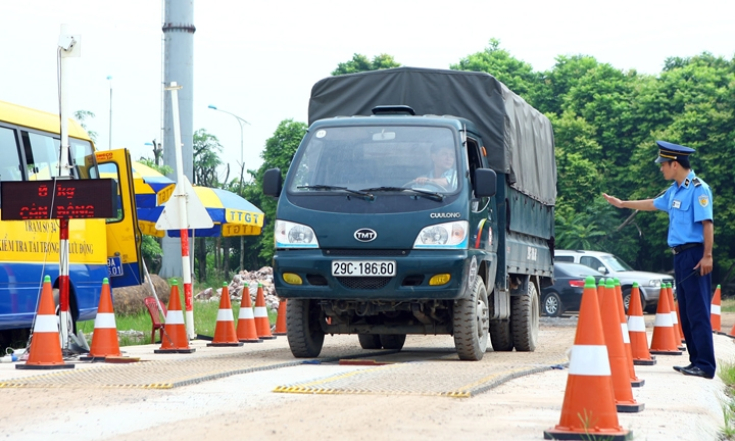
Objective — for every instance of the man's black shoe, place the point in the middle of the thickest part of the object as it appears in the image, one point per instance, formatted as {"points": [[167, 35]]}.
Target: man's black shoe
{"points": [[679, 368], [697, 372]]}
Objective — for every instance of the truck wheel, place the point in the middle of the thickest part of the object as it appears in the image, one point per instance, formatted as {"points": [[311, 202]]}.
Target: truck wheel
{"points": [[500, 336], [369, 341], [524, 312], [303, 328], [471, 321], [392, 341], [553, 306]]}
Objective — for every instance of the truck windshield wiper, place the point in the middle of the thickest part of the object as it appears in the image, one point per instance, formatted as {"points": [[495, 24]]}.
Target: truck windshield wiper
{"points": [[429, 194], [361, 193]]}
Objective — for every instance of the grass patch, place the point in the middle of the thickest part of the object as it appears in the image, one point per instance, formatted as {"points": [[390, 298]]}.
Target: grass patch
{"points": [[727, 305], [205, 322], [727, 374]]}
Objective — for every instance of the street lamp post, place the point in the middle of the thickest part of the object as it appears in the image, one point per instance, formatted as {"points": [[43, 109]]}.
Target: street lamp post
{"points": [[109, 146], [242, 171]]}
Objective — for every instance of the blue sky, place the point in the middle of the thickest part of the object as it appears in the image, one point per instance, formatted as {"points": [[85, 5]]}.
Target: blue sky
{"points": [[258, 59]]}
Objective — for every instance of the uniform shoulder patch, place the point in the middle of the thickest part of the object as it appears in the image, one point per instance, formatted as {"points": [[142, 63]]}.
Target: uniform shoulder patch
{"points": [[696, 182], [703, 200]]}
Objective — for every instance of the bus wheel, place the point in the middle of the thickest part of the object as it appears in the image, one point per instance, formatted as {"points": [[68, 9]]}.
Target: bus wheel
{"points": [[471, 321], [303, 328]]}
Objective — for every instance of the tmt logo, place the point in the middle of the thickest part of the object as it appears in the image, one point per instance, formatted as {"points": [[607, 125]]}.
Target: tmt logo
{"points": [[365, 235]]}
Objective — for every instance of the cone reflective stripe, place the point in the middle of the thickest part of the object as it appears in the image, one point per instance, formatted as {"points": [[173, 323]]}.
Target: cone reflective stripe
{"points": [[663, 341], [45, 350], [175, 339], [616, 350], [589, 404], [262, 324], [715, 317], [634, 380], [637, 330], [246, 331], [224, 333], [104, 337], [281, 319], [678, 333]]}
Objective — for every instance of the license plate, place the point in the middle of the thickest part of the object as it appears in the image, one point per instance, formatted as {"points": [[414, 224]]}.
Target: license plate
{"points": [[362, 268], [114, 266]]}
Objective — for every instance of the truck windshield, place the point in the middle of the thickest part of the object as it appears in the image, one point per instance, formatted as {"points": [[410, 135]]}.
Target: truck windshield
{"points": [[385, 159]]}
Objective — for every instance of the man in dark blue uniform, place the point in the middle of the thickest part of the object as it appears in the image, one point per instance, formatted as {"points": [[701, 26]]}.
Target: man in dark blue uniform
{"points": [[691, 236]]}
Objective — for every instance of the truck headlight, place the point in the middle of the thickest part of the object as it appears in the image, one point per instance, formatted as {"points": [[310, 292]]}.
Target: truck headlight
{"points": [[448, 235], [293, 235]]}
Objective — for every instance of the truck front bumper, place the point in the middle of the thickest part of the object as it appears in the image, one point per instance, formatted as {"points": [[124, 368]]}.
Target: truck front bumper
{"points": [[414, 270]]}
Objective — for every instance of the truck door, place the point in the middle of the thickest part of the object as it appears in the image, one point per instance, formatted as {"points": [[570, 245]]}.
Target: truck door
{"points": [[123, 233]]}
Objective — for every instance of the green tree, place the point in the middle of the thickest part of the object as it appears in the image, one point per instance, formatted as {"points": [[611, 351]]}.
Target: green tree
{"points": [[81, 117], [207, 152], [514, 73], [361, 63]]}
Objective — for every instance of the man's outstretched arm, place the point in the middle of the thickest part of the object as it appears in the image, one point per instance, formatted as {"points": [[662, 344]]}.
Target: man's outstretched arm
{"points": [[643, 204]]}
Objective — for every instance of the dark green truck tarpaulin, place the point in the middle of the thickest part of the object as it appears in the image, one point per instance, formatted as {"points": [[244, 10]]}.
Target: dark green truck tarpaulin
{"points": [[519, 139]]}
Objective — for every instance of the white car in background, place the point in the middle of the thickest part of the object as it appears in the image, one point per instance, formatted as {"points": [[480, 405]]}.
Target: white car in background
{"points": [[612, 266]]}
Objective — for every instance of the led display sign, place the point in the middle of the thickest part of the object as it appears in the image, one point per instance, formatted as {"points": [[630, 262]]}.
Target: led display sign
{"points": [[58, 199]]}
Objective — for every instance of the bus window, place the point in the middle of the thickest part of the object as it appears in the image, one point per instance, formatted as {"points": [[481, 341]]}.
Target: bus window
{"points": [[42, 158], [83, 159], [110, 170], [10, 169]]}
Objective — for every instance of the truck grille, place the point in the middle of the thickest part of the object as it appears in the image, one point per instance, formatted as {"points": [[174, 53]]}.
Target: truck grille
{"points": [[364, 282], [366, 252]]}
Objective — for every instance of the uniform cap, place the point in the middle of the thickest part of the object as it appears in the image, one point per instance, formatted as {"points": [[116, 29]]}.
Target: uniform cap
{"points": [[671, 152]]}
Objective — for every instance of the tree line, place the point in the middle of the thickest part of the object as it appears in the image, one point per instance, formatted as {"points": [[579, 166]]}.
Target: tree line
{"points": [[606, 121]]}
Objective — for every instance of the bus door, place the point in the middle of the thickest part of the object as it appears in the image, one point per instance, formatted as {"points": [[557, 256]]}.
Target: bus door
{"points": [[124, 238]]}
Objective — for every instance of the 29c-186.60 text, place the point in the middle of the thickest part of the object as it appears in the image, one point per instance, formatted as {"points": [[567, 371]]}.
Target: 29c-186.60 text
{"points": [[354, 268]]}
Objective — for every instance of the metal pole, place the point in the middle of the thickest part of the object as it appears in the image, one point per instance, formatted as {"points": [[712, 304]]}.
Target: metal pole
{"points": [[109, 145]]}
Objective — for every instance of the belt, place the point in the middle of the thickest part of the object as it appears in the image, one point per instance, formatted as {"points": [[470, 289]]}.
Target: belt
{"points": [[679, 248]]}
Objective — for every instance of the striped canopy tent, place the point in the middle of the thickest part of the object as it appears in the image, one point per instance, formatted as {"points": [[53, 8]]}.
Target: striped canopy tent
{"points": [[232, 215], [151, 187]]}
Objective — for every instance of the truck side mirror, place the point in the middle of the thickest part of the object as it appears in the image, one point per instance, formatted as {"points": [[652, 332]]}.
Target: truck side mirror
{"points": [[272, 182], [485, 182]]}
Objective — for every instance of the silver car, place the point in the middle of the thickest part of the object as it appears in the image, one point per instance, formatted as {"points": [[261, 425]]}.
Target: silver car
{"points": [[612, 266]]}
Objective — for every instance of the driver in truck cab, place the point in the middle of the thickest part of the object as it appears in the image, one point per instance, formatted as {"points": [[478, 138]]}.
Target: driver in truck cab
{"points": [[443, 172]]}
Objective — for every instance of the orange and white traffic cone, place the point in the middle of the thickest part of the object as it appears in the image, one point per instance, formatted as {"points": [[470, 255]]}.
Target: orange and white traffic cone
{"points": [[45, 351], [262, 324], [175, 339], [281, 319], [620, 372], [714, 314], [246, 331], [224, 332], [104, 337], [678, 322], [634, 380], [678, 333], [663, 341], [637, 330], [589, 403]]}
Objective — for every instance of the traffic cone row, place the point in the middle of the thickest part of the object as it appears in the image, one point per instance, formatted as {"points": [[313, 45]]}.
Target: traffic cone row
{"points": [[715, 317], [589, 408], [637, 330], [634, 380], [224, 332], [175, 339], [664, 341], [45, 350]]}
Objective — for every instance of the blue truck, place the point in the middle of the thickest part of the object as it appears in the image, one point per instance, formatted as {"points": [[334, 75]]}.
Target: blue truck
{"points": [[420, 201]]}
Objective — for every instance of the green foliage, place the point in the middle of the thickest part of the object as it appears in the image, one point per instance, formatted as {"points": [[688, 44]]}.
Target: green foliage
{"points": [[361, 63], [162, 169], [207, 150], [152, 251]]}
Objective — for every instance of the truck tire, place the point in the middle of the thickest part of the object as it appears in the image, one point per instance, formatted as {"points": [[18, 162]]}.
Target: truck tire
{"points": [[304, 331], [392, 341], [369, 341], [500, 335], [471, 323], [524, 313]]}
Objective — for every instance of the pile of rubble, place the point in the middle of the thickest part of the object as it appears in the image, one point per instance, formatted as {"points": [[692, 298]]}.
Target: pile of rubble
{"points": [[251, 279]]}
